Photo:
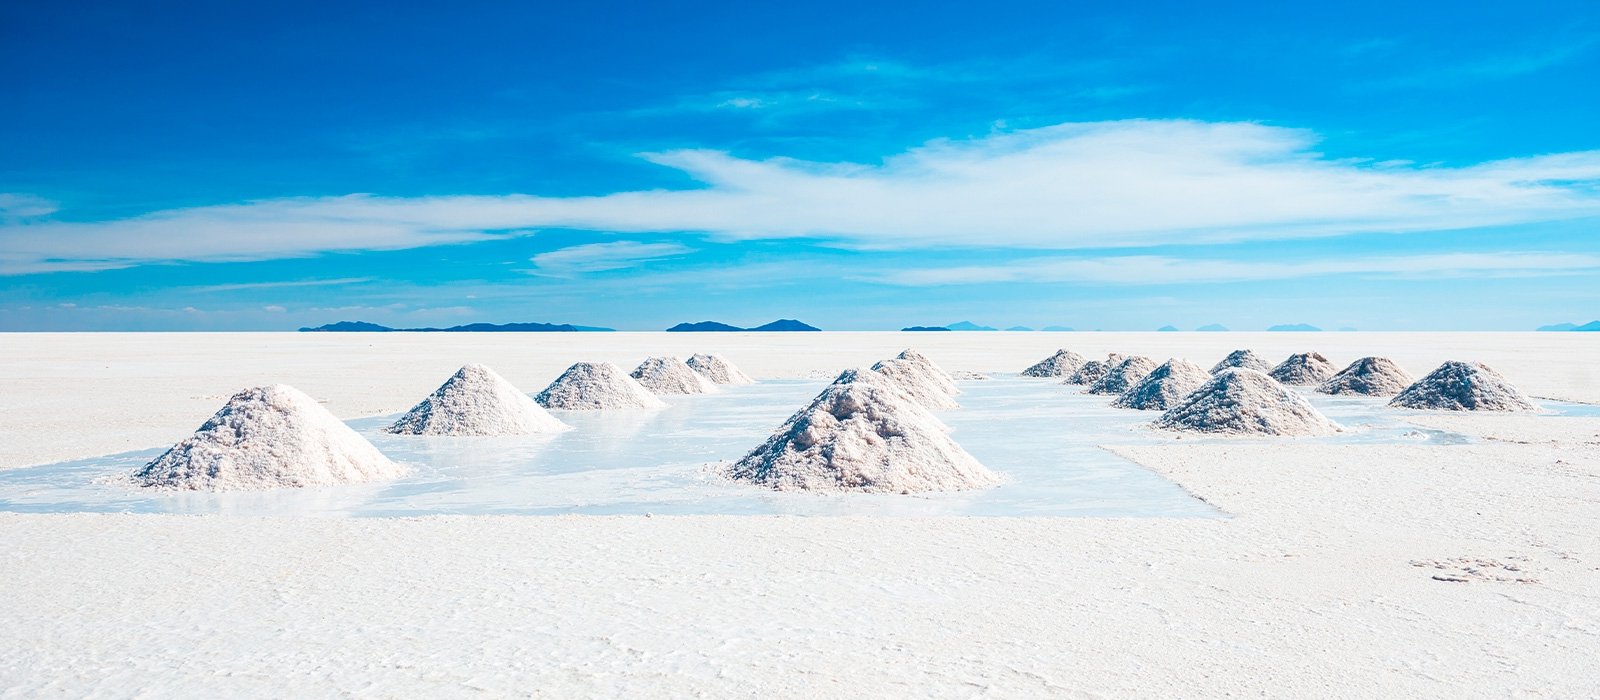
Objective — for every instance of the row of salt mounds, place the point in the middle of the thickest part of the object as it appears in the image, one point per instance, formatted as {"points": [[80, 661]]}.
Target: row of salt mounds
{"points": [[1122, 376], [1464, 386], [587, 386], [1242, 358], [863, 433], [1061, 364], [1091, 371], [925, 382], [265, 438], [718, 369], [1164, 387], [1241, 401], [670, 375], [1303, 369], [476, 401], [1368, 376]]}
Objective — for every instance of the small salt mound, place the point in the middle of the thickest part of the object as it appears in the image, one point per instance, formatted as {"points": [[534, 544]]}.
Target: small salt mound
{"points": [[1242, 358], [718, 369], [1123, 375], [935, 373], [1368, 376], [265, 438], [1164, 386], [862, 434], [1464, 386], [1091, 371], [476, 401], [1304, 369], [1061, 364], [670, 375], [1241, 401], [589, 386], [921, 385]]}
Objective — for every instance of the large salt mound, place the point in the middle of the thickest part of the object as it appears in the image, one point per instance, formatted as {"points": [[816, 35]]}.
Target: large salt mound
{"points": [[265, 438], [864, 434], [1303, 369], [1164, 386], [1242, 358], [1061, 364], [1241, 401], [1091, 371], [1464, 386], [1368, 376], [1123, 375], [476, 401], [718, 369], [596, 385], [670, 375]]}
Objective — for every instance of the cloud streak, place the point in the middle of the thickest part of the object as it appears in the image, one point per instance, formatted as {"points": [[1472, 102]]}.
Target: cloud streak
{"points": [[603, 257]]}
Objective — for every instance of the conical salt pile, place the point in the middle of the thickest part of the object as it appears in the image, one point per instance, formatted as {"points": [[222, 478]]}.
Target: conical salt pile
{"points": [[1303, 369], [925, 382], [1242, 358], [1061, 364], [1464, 386], [1123, 375], [476, 401], [265, 438], [718, 369], [1240, 401], [864, 434], [1092, 370], [1368, 376], [587, 386], [1164, 387], [670, 375]]}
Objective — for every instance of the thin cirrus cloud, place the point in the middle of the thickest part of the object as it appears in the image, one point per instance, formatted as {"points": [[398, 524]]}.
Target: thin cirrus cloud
{"points": [[602, 257], [1070, 186]]}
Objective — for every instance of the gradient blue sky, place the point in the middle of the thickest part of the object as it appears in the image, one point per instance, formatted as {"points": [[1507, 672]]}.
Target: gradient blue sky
{"points": [[856, 165]]}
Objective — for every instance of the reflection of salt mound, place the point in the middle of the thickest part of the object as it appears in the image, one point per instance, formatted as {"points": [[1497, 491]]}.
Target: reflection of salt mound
{"points": [[265, 438], [925, 382], [718, 369], [476, 401], [1061, 364], [596, 385], [1164, 386], [1091, 371], [862, 433], [1464, 386], [1242, 358], [1240, 401], [670, 375], [1123, 375], [1368, 376], [1303, 369]]}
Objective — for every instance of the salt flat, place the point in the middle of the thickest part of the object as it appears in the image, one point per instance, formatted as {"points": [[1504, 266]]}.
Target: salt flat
{"points": [[1344, 569]]}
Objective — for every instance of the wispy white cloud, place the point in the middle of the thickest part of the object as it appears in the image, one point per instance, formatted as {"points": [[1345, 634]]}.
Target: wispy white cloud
{"points": [[601, 257], [1070, 186], [248, 286], [19, 205]]}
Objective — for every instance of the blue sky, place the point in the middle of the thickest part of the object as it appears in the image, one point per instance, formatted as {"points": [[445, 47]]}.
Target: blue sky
{"points": [[856, 165]]}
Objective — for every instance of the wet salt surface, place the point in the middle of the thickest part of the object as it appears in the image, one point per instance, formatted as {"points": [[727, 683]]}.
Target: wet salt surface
{"points": [[1044, 437]]}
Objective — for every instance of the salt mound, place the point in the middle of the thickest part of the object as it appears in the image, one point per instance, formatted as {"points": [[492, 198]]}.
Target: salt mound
{"points": [[1091, 371], [1061, 364], [1242, 358], [936, 374], [670, 375], [1164, 386], [718, 369], [1303, 369], [476, 401], [1369, 376], [265, 438], [1123, 375], [864, 434], [596, 385], [1464, 386], [923, 381], [1241, 401]]}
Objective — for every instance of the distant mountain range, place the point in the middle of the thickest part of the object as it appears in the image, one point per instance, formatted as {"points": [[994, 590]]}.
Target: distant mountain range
{"points": [[1590, 326], [1019, 328], [364, 327], [1167, 329], [925, 328], [1294, 327], [782, 324], [1213, 328], [968, 326]]}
